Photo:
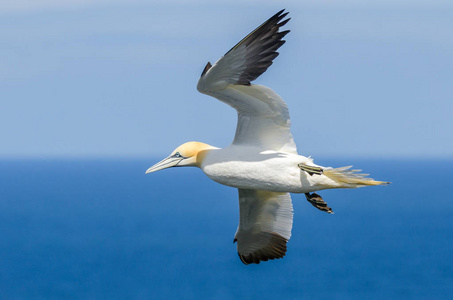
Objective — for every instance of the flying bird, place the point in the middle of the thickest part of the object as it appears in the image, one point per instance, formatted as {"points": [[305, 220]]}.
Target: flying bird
{"points": [[262, 162]]}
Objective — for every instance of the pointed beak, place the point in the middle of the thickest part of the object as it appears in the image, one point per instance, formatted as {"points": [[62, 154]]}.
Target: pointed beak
{"points": [[165, 163]]}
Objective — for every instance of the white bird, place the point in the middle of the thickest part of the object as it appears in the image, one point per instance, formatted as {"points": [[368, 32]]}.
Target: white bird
{"points": [[262, 162]]}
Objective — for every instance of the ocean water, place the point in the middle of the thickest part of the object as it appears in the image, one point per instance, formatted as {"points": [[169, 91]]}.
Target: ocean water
{"points": [[87, 229]]}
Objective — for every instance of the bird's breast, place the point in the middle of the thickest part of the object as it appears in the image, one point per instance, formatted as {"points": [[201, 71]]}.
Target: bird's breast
{"points": [[248, 169]]}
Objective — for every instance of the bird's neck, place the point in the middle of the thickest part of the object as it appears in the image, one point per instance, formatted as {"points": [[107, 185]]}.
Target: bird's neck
{"points": [[203, 150]]}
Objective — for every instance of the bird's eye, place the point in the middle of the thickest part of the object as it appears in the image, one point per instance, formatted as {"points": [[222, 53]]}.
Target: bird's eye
{"points": [[177, 154]]}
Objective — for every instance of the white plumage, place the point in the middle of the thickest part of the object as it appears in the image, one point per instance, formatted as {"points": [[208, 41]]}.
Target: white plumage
{"points": [[262, 162]]}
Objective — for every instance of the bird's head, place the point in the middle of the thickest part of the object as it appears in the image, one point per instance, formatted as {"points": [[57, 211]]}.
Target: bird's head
{"points": [[188, 154]]}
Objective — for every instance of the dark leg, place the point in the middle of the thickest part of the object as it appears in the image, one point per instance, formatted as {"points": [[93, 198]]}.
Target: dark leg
{"points": [[318, 202]]}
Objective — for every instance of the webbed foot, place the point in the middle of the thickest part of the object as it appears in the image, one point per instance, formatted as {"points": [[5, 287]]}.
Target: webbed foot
{"points": [[318, 202]]}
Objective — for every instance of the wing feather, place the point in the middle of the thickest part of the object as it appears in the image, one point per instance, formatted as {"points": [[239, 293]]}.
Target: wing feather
{"points": [[263, 117], [265, 222], [249, 58]]}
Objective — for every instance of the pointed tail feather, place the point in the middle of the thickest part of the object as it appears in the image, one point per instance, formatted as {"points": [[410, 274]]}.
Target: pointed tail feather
{"points": [[348, 178]]}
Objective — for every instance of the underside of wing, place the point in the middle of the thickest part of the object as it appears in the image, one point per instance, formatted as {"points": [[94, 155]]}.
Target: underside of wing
{"points": [[265, 224], [263, 117]]}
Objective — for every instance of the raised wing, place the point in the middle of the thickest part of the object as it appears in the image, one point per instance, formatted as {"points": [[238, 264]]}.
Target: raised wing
{"points": [[265, 222], [251, 56], [263, 117]]}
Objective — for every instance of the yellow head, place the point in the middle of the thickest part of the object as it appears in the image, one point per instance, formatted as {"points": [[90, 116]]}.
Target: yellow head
{"points": [[188, 154]]}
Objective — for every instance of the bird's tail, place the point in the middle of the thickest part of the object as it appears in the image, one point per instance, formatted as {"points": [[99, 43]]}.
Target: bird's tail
{"points": [[348, 178]]}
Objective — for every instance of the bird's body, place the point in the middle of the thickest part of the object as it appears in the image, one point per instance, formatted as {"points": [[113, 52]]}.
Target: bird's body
{"points": [[262, 162], [251, 168]]}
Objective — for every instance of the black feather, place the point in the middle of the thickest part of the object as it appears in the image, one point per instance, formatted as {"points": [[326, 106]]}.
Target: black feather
{"points": [[261, 47]]}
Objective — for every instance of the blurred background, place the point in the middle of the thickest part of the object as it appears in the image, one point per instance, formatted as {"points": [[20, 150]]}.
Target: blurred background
{"points": [[82, 78], [94, 92]]}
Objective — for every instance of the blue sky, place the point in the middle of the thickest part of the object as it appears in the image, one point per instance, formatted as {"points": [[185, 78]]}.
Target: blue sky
{"points": [[82, 78]]}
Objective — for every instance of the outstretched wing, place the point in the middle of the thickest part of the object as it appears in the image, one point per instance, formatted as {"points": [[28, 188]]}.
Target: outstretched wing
{"points": [[265, 222], [263, 117]]}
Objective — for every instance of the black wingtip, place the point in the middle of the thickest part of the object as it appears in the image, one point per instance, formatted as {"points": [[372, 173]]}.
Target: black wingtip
{"points": [[284, 15], [279, 13], [245, 262], [282, 23], [278, 17], [206, 68], [276, 249]]}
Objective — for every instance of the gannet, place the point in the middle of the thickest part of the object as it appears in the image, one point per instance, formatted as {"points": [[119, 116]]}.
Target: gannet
{"points": [[262, 162]]}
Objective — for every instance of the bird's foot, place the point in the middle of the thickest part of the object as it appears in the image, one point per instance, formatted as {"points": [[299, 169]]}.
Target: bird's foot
{"points": [[318, 202], [311, 170]]}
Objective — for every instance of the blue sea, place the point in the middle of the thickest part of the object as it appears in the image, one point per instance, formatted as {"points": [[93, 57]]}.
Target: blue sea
{"points": [[102, 229]]}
